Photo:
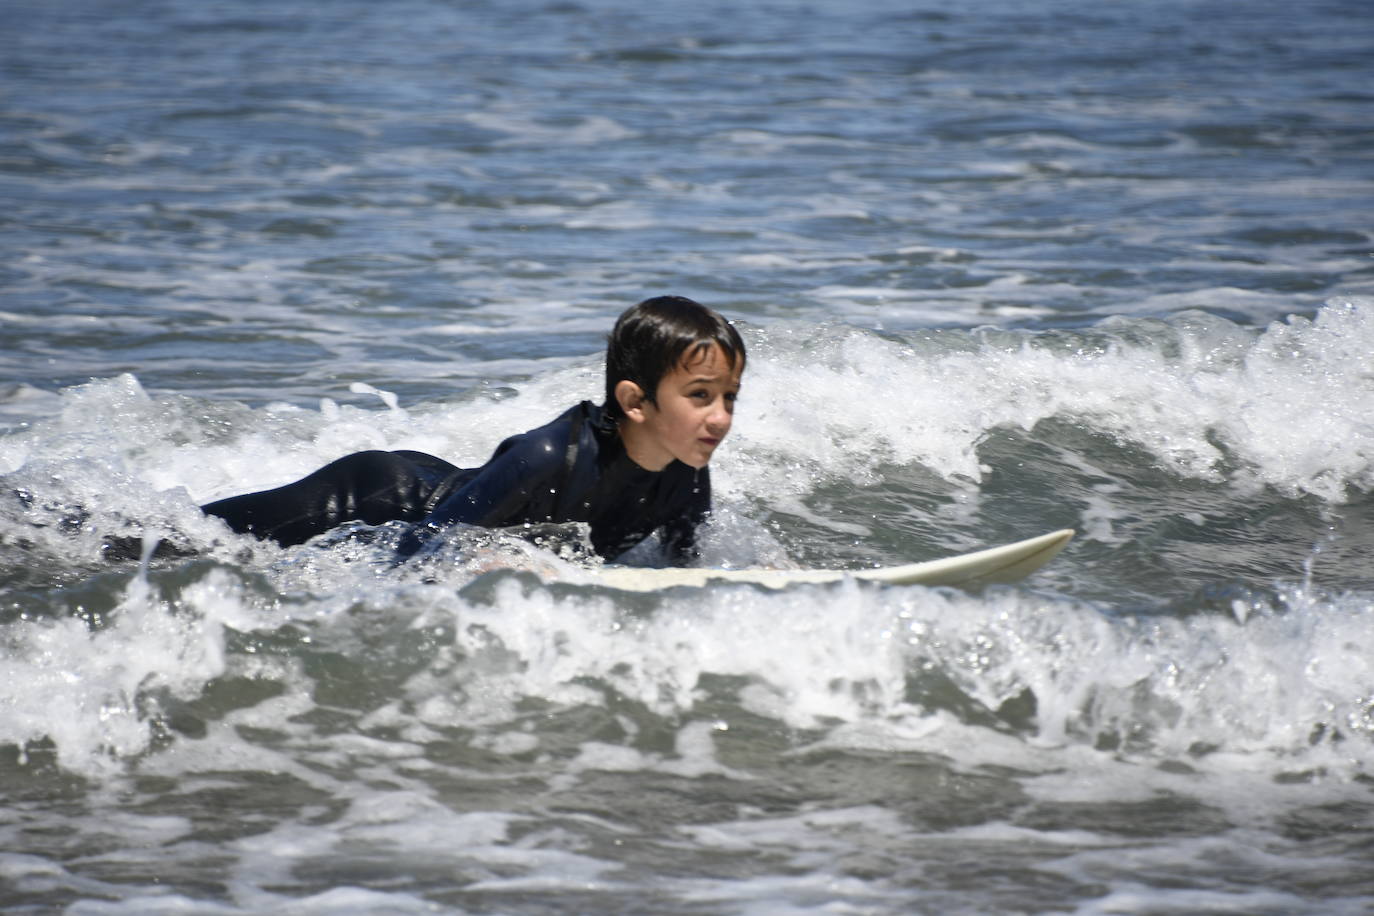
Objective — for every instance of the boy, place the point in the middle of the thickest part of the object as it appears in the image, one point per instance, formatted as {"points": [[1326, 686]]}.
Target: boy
{"points": [[633, 466]]}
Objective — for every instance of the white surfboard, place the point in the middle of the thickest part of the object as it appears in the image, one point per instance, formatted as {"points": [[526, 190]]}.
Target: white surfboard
{"points": [[1008, 563]]}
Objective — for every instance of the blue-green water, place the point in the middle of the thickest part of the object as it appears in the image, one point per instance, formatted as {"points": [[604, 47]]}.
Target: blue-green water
{"points": [[1002, 268]]}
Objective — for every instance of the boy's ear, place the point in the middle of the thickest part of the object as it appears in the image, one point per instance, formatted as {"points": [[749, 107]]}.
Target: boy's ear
{"points": [[631, 399]]}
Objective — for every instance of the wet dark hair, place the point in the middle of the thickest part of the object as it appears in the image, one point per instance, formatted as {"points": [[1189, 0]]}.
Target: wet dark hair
{"points": [[652, 338]]}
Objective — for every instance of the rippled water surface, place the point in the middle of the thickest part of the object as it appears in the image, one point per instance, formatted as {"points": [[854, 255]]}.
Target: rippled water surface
{"points": [[1001, 268]]}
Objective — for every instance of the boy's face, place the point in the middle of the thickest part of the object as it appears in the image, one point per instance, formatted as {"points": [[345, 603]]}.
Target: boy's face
{"points": [[696, 405]]}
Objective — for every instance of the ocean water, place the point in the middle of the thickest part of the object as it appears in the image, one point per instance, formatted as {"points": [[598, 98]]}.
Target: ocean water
{"points": [[1002, 267]]}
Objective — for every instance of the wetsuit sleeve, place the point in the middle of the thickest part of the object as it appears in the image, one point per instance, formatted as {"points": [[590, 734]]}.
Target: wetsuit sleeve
{"points": [[515, 486], [680, 534]]}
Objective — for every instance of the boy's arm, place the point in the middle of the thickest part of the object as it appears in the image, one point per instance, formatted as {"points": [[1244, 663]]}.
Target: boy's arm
{"points": [[680, 534]]}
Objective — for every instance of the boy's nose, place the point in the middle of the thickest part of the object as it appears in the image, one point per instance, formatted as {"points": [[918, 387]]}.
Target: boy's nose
{"points": [[719, 419]]}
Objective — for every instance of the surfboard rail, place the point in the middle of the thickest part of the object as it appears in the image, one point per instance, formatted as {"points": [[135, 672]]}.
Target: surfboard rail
{"points": [[1005, 563]]}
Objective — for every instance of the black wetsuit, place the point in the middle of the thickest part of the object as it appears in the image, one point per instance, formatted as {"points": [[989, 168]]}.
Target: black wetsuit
{"points": [[573, 469]]}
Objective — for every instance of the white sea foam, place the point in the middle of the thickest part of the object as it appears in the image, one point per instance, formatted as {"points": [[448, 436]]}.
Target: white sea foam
{"points": [[1198, 393], [1277, 678], [593, 129], [1288, 684], [1285, 690], [1286, 404], [92, 689]]}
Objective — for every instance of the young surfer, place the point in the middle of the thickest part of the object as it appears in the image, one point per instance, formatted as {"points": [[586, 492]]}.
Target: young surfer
{"points": [[631, 467]]}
